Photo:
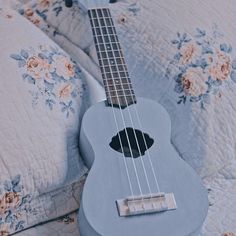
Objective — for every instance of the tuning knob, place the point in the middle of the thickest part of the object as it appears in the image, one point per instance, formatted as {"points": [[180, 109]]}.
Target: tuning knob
{"points": [[69, 3]]}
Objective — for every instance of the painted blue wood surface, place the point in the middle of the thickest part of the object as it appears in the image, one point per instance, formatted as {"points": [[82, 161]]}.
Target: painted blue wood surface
{"points": [[107, 180]]}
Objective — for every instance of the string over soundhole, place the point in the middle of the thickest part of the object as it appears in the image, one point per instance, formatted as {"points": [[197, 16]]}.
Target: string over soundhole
{"points": [[133, 139]]}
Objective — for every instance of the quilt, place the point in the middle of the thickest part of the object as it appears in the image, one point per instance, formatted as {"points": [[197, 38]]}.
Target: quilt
{"points": [[181, 54]]}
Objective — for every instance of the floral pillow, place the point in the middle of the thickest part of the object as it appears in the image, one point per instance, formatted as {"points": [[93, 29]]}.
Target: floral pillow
{"points": [[52, 77], [68, 27], [72, 22], [42, 101]]}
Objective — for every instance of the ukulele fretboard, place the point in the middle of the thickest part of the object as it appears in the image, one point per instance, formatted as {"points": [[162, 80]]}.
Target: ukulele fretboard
{"points": [[119, 91]]}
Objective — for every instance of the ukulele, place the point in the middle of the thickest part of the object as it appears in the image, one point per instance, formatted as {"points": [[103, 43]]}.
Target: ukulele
{"points": [[138, 184]]}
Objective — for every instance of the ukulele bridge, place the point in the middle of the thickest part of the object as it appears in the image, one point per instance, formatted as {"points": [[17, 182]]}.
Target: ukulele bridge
{"points": [[139, 205]]}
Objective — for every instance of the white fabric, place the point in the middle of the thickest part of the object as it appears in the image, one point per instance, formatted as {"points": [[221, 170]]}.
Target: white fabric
{"points": [[204, 137], [41, 106]]}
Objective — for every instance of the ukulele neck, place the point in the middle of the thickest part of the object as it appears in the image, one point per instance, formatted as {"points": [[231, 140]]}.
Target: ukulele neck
{"points": [[117, 84]]}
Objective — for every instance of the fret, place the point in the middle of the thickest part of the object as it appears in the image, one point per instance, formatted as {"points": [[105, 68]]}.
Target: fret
{"points": [[126, 86], [114, 71], [120, 67], [105, 39], [108, 22], [117, 80], [106, 51], [104, 30], [123, 95], [98, 31], [109, 45], [104, 22], [95, 18], [113, 38], [107, 61], [119, 95], [119, 86], [113, 68], [118, 61], [114, 76], [121, 91], [110, 55], [110, 85]]}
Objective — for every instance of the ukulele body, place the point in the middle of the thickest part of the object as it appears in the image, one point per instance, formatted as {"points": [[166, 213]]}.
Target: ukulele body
{"points": [[107, 181]]}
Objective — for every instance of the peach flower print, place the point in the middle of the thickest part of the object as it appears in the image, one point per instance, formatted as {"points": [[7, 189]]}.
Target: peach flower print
{"points": [[9, 201], [221, 69], [189, 52], [12, 199], [194, 82], [44, 3], [29, 12], [64, 67], [38, 67], [30, 15], [204, 63], [4, 230], [52, 76], [65, 91], [3, 206]]}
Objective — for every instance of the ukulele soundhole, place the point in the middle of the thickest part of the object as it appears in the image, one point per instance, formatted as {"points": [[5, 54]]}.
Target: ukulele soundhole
{"points": [[131, 142]]}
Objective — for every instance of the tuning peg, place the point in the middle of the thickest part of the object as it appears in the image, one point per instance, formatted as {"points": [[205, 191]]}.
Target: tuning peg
{"points": [[69, 3]]}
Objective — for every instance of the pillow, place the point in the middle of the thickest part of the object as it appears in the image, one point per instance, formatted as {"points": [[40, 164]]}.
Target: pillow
{"points": [[70, 22], [41, 94], [182, 55], [68, 27]]}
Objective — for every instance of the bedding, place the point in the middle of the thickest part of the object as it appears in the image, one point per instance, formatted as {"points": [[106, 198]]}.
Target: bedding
{"points": [[67, 27], [41, 94], [181, 54], [63, 226]]}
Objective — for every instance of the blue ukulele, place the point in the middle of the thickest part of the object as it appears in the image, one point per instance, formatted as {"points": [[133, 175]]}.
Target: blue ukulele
{"points": [[137, 184]]}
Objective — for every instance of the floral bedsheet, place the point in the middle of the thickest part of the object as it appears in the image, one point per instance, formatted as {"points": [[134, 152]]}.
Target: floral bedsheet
{"points": [[181, 55], [42, 91], [64, 226]]}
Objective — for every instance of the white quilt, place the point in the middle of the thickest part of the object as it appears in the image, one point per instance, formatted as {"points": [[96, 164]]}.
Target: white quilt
{"points": [[181, 54]]}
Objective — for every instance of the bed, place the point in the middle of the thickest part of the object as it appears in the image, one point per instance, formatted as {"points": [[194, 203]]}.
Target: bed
{"points": [[179, 53]]}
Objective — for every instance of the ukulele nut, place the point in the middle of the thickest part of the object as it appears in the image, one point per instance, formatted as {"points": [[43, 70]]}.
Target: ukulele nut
{"points": [[139, 205]]}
